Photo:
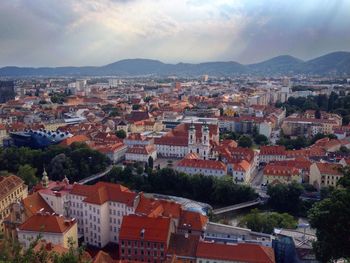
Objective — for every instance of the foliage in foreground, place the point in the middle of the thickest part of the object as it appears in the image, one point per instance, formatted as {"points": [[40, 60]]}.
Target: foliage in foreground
{"points": [[12, 251], [331, 219]]}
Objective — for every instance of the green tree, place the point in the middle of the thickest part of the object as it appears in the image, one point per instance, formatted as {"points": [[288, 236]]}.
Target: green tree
{"points": [[150, 162], [261, 139], [285, 198], [266, 221], [120, 134], [331, 219], [136, 107], [27, 173], [318, 114], [245, 141]]}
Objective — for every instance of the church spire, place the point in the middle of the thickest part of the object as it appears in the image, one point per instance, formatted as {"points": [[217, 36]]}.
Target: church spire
{"points": [[45, 179]]}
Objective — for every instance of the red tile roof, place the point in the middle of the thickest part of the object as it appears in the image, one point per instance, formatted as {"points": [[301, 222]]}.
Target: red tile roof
{"points": [[242, 252], [272, 150], [280, 170], [154, 229], [8, 184], [193, 220], [76, 138], [47, 222], [142, 149], [155, 208], [329, 168], [103, 192], [34, 202]]}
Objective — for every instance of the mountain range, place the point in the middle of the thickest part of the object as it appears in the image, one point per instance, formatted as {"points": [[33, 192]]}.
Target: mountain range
{"points": [[333, 63]]}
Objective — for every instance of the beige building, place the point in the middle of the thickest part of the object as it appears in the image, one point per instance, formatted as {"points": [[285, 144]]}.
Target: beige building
{"points": [[325, 174], [280, 174], [53, 126], [52, 228], [3, 133], [12, 190]]}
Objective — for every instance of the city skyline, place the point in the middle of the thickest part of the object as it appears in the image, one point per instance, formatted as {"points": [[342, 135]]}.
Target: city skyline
{"points": [[77, 33]]}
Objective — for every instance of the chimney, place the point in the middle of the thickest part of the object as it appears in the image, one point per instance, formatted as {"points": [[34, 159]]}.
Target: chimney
{"points": [[142, 233]]}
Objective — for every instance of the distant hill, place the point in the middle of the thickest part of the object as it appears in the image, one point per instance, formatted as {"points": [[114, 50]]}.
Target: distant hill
{"points": [[281, 64], [336, 62], [333, 63]]}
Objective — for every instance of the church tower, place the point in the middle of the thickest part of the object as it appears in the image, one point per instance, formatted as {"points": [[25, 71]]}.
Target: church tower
{"points": [[45, 179], [192, 134], [205, 135]]}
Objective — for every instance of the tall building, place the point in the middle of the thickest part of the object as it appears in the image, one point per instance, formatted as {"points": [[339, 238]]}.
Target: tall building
{"points": [[7, 91], [12, 189]]}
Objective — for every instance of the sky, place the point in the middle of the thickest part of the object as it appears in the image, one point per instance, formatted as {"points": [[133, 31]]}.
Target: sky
{"points": [[98, 32]]}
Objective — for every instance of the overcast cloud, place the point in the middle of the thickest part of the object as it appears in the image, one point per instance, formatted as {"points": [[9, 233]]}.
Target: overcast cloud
{"points": [[97, 32]]}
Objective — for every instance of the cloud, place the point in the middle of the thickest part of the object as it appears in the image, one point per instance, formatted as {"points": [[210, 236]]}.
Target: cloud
{"points": [[97, 32]]}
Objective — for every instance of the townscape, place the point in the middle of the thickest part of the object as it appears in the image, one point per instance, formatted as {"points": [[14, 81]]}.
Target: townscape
{"points": [[142, 169], [174, 131]]}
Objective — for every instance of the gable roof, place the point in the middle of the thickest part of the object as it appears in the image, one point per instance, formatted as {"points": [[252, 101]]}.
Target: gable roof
{"points": [[242, 252], [102, 192], [34, 202], [46, 222], [153, 229], [8, 184]]}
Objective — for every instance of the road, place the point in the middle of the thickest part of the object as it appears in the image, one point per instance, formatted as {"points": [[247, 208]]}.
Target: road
{"points": [[96, 176], [275, 136], [257, 179]]}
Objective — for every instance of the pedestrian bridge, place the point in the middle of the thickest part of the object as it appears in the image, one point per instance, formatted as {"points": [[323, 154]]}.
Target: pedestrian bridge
{"points": [[237, 206]]}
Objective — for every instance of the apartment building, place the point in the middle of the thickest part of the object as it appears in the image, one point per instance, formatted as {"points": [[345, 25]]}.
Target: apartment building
{"points": [[325, 174], [52, 228], [12, 190], [145, 238], [99, 210]]}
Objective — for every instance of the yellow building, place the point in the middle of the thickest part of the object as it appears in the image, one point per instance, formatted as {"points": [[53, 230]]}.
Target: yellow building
{"points": [[325, 174], [274, 174], [53, 126], [12, 190], [3, 133]]}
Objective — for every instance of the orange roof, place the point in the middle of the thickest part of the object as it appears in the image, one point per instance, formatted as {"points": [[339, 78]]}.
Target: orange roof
{"points": [[8, 184], [76, 138], [154, 208], [103, 257], [242, 252], [193, 220], [242, 166], [141, 149], [34, 202], [153, 229], [47, 222], [329, 168], [102, 192], [272, 150], [280, 170]]}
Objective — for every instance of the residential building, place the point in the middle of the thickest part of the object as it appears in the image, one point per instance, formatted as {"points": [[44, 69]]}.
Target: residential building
{"points": [[52, 228], [12, 190], [274, 174], [99, 210], [209, 252], [325, 174], [145, 238], [272, 153], [141, 153], [192, 164]]}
